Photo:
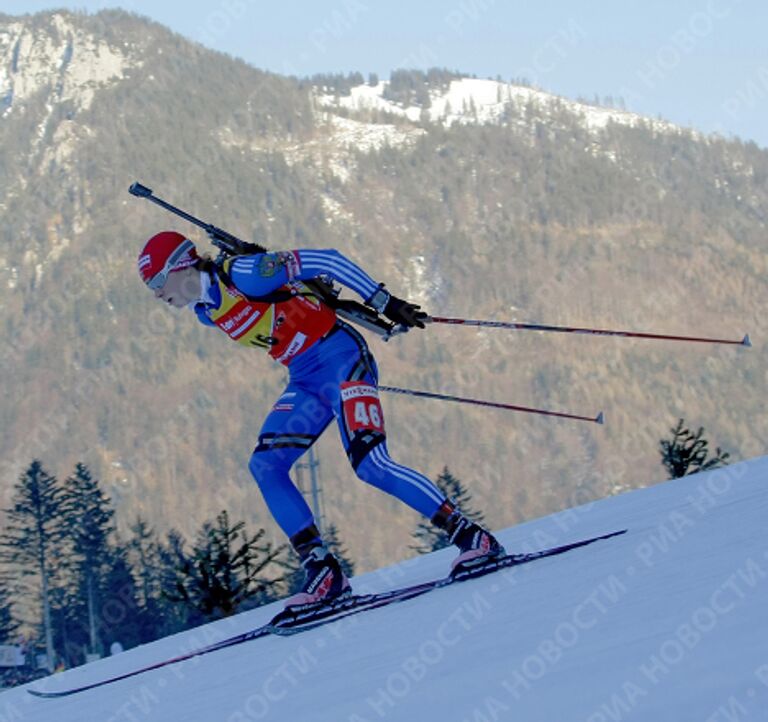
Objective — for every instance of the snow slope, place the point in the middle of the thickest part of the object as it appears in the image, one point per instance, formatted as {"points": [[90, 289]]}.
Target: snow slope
{"points": [[666, 623]]}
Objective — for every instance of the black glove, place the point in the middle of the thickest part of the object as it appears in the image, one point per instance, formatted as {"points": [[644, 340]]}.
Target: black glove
{"points": [[404, 313]]}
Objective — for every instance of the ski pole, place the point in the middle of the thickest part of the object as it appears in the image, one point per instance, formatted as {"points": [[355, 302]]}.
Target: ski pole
{"points": [[599, 419], [591, 331]]}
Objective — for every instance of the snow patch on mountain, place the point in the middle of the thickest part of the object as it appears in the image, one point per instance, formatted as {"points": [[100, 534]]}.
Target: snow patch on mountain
{"points": [[341, 139], [335, 211], [347, 136], [368, 137], [11, 271], [334, 147], [473, 100], [421, 283]]}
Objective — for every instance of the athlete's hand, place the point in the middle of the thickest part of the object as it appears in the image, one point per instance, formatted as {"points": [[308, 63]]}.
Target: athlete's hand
{"points": [[404, 313]]}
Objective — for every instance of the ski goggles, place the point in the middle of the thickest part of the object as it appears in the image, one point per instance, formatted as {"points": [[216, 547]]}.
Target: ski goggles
{"points": [[174, 263]]}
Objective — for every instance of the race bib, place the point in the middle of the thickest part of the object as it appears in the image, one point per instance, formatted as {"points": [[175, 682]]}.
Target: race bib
{"points": [[361, 407]]}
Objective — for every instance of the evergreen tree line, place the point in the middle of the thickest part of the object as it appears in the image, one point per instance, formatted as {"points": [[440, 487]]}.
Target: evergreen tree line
{"points": [[72, 587], [412, 87], [409, 87]]}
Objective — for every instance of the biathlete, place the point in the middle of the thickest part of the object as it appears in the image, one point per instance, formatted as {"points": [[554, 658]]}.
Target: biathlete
{"points": [[261, 301]]}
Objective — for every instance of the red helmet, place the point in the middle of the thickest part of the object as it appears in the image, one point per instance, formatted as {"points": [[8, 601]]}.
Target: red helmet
{"points": [[163, 253]]}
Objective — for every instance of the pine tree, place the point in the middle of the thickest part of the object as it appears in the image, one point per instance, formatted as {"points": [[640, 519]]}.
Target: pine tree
{"points": [[170, 615], [142, 548], [686, 453], [8, 624], [68, 621], [155, 565], [148, 560], [88, 524], [31, 540], [225, 570], [428, 536], [121, 615]]}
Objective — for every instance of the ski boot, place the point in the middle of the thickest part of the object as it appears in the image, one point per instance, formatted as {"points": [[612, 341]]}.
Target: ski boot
{"points": [[477, 545], [325, 580]]}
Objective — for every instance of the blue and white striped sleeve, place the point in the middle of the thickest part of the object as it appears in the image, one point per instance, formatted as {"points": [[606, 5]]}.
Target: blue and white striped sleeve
{"points": [[330, 262], [260, 274]]}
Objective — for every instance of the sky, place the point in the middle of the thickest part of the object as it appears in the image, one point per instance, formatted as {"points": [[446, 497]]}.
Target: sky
{"points": [[698, 63]]}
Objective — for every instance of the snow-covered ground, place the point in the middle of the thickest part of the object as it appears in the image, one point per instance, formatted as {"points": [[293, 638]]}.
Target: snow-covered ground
{"points": [[668, 623]]}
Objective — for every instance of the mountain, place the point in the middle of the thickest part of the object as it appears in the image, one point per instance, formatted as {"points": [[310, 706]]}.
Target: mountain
{"points": [[663, 623], [475, 198]]}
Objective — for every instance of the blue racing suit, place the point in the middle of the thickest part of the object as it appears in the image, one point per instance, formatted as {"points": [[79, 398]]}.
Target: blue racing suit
{"points": [[332, 375]]}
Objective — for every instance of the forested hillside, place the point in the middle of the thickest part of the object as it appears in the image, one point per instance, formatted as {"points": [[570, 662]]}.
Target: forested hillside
{"points": [[533, 216]]}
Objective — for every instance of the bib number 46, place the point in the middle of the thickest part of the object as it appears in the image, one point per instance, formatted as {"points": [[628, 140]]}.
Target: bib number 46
{"points": [[361, 405], [368, 415]]}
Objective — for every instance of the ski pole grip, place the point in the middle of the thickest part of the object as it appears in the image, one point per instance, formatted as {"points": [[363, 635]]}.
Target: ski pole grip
{"points": [[139, 190]]}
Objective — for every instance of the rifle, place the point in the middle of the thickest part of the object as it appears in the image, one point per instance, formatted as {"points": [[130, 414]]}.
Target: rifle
{"points": [[230, 245]]}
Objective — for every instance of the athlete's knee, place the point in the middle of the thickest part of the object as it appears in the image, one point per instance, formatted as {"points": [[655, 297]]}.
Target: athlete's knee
{"points": [[276, 453], [366, 468], [371, 470], [261, 465], [268, 465], [360, 452]]}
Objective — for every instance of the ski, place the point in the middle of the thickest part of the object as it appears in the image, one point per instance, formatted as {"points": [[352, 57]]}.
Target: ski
{"points": [[300, 619], [289, 622], [262, 631]]}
